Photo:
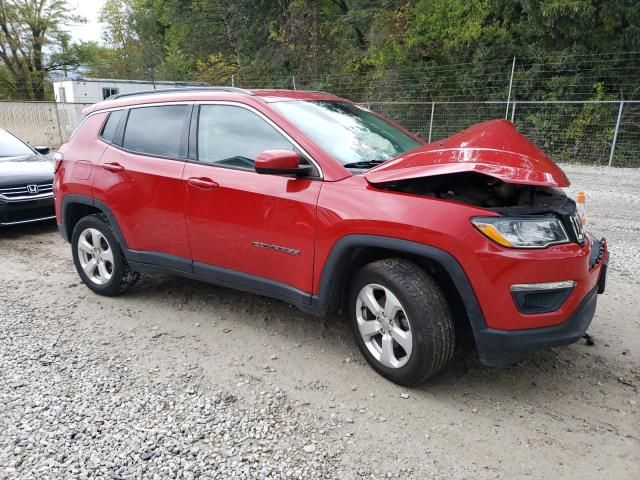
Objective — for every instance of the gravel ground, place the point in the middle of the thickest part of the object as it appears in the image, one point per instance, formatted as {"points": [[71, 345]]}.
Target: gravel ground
{"points": [[179, 379]]}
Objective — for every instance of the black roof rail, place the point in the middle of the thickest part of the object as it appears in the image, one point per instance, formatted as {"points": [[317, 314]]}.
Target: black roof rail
{"points": [[181, 89]]}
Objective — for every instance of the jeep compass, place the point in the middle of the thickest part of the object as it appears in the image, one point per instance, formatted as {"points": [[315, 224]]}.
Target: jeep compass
{"points": [[311, 199]]}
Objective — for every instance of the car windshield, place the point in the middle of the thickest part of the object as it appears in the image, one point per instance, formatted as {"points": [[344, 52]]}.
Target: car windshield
{"points": [[10, 146], [352, 135]]}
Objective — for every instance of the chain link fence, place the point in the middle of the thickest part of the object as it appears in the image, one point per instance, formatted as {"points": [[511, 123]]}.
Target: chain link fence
{"points": [[41, 123], [591, 132]]}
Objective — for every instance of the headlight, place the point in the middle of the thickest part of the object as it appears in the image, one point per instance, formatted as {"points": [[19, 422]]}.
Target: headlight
{"points": [[524, 232]]}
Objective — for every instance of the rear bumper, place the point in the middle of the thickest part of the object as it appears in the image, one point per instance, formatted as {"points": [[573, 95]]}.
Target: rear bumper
{"points": [[502, 347], [28, 211]]}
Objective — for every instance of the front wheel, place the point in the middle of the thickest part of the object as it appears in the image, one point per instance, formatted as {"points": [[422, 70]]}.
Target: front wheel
{"points": [[401, 321]]}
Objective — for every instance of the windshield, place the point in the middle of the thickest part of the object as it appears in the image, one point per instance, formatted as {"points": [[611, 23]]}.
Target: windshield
{"points": [[352, 135], [10, 146]]}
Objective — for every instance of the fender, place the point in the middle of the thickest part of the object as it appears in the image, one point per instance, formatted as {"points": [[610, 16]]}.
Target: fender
{"points": [[70, 199], [340, 253]]}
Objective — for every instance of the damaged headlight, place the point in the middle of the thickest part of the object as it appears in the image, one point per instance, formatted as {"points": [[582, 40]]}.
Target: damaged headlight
{"points": [[526, 232]]}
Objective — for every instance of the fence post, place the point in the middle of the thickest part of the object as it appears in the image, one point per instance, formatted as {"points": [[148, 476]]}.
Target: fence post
{"points": [[55, 104], [433, 104], [615, 133], [513, 112], [233, 81], [293, 79], [513, 67]]}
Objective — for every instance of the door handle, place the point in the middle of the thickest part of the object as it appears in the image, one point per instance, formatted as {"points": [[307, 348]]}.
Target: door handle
{"points": [[113, 167], [202, 183]]}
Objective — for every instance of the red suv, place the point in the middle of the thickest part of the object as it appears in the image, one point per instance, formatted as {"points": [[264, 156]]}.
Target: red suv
{"points": [[309, 198]]}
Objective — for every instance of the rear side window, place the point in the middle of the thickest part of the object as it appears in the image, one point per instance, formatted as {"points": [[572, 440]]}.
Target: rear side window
{"points": [[111, 126], [158, 131]]}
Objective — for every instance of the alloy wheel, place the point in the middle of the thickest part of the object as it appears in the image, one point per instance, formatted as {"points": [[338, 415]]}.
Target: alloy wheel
{"points": [[384, 326], [95, 255]]}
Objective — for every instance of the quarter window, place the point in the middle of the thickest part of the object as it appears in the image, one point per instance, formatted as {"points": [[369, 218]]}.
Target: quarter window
{"points": [[157, 131], [110, 127], [234, 136]]}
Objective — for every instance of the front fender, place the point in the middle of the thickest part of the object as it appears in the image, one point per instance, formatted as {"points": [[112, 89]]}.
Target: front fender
{"points": [[337, 261]]}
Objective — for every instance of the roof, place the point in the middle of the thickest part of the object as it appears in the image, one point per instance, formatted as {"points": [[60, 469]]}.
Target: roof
{"points": [[210, 93]]}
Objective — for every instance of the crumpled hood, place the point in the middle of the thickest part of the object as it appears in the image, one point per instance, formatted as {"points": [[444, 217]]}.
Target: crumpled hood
{"points": [[493, 148]]}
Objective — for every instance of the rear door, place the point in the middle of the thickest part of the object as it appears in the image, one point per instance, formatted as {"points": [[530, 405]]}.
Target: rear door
{"points": [[140, 180], [259, 225]]}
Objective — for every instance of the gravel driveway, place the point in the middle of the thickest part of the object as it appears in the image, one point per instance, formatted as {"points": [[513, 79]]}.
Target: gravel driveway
{"points": [[179, 379]]}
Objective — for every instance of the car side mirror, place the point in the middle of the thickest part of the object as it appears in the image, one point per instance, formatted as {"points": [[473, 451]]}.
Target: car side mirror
{"points": [[42, 150], [281, 162]]}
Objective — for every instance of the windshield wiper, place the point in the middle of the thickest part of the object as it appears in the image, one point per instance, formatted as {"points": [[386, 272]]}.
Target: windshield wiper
{"points": [[364, 164]]}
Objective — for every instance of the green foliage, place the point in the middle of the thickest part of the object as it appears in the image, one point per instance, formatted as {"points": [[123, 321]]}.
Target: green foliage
{"points": [[378, 42], [366, 50], [28, 29]]}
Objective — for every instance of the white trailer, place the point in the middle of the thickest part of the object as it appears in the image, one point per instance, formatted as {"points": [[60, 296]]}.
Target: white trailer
{"points": [[93, 90]]}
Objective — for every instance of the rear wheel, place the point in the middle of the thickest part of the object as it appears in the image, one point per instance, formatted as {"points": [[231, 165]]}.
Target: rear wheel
{"points": [[98, 257], [401, 321]]}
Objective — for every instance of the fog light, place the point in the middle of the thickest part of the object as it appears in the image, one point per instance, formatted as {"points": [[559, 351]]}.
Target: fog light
{"points": [[541, 297], [527, 287]]}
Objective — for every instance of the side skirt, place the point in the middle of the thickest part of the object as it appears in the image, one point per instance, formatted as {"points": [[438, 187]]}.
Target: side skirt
{"points": [[150, 262]]}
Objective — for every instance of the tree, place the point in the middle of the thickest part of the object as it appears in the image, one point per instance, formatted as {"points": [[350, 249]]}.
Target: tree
{"points": [[27, 28]]}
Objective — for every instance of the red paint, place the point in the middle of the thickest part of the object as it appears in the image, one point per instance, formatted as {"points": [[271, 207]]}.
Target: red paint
{"points": [[277, 159], [147, 195], [216, 215], [493, 148], [250, 207]]}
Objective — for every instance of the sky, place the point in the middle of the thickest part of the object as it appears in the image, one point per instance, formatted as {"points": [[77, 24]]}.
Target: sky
{"points": [[91, 30]]}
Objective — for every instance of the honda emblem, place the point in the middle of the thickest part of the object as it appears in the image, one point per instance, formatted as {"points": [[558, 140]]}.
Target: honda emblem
{"points": [[32, 189]]}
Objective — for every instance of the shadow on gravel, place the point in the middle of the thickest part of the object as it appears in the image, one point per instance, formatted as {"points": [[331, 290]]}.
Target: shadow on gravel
{"points": [[14, 232]]}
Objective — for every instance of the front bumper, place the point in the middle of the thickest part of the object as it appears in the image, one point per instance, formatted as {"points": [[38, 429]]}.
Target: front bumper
{"points": [[502, 347], [26, 211]]}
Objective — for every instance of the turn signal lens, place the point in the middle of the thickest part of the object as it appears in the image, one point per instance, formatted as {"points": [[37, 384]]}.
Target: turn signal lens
{"points": [[491, 232]]}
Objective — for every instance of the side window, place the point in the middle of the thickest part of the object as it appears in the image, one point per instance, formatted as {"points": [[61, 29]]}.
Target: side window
{"points": [[111, 125], [234, 136], [158, 131]]}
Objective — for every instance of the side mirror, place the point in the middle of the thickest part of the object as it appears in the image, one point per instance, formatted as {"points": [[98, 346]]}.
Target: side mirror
{"points": [[42, 150], [280, 162]]}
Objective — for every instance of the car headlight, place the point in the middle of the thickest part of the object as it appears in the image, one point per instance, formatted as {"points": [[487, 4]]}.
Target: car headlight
{"points": [[525, 232]]}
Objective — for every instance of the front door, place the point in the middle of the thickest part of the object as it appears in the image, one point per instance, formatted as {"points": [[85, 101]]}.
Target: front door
{"points": [[246, 228]]}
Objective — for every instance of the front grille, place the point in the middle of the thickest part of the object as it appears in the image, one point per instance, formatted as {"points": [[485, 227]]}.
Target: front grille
{"points": [[24, 192]]}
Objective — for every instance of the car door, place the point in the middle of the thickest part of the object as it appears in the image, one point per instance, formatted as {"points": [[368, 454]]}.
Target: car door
{"points": [[140, 180], [248, 229]]}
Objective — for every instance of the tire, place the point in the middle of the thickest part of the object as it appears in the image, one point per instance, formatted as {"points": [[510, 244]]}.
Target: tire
{"points": [[109, 274], [424, 318]]}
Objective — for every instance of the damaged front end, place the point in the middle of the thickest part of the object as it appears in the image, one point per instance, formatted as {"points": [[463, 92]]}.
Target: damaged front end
{"points": [[514, 201], [491, 166], [527, 299]]}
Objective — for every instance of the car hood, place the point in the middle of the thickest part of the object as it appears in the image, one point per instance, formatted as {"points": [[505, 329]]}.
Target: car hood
{"points": [[24, 170], [493, 148]]}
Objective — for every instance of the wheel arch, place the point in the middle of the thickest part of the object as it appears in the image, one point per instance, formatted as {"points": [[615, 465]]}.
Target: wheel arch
{"points": [[353, 251], [74, 207]]}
